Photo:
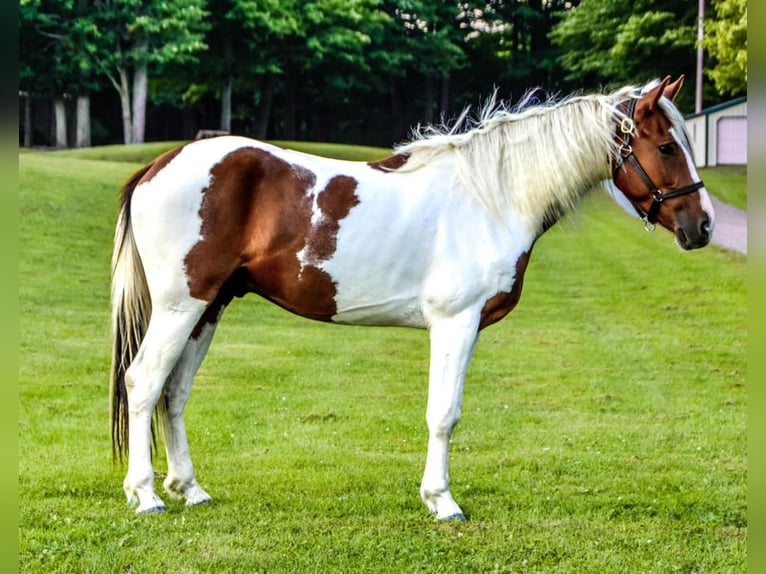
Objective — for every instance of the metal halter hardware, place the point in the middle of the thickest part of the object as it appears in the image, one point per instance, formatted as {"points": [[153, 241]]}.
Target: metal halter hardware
{"points": [[627, 128]]}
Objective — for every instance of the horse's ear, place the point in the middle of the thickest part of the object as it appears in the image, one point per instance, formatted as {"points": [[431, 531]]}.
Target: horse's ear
{"points": [[672, 89], [655, 95]]}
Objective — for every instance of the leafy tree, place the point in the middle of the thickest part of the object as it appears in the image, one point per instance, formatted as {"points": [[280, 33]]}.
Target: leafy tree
{"points": [[358, 70], [439, 44], [270, 31], [323, 54], [39, 50], [604, 41], [726, 41], [54, 51], [136, 36], [329, 51], [509, 40], [522, 43]]}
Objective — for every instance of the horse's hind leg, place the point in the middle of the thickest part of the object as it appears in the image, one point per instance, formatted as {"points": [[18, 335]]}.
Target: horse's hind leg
{"points": [[165, 340], [181, 481]]}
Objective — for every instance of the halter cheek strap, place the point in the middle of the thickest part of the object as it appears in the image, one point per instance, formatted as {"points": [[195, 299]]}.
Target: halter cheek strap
{"points": [[627, 128]]}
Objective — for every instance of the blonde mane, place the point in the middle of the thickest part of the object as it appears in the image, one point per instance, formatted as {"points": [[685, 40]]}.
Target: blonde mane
{"points": [[538, 160]]}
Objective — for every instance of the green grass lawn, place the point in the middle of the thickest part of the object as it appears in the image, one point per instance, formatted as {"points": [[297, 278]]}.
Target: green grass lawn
{"points": [[603, 424], [728, 183], [144, 153]]}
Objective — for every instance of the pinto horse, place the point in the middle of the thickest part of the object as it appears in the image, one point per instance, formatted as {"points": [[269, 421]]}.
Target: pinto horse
{"points": [[435, 237]]}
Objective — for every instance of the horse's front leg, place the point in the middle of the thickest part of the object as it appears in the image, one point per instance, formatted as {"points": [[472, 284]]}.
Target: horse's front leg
{"points": [[452, 343]]}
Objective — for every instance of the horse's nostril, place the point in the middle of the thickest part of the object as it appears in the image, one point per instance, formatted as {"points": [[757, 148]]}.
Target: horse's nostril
{"points": [[705, 227]]}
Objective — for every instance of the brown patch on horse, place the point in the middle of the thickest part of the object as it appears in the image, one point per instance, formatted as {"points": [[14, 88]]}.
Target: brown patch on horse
{"points": [[335, 202], [391, 163], [503, 303], [256, 218]]}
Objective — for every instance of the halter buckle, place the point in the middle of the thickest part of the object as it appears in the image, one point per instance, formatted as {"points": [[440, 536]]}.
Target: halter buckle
{"points": [[627, 125], [648, 225]]}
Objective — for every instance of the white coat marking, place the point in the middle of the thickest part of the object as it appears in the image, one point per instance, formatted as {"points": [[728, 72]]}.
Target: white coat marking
{"points": [[705, 203]]}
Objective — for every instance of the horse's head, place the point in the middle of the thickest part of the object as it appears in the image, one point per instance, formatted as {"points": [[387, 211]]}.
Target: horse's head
{"points": [[655, 170]]}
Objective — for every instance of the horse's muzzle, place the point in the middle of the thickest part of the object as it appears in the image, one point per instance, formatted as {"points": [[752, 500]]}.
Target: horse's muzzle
{"points": [[693, 234]]}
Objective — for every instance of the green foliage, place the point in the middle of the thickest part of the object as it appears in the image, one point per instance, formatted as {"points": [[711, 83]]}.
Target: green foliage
{"points": [[337, 31], [516, 34], [158, 32], [367, 69], [62, 41], [604, 421], [585, 36], [276, 18], [643, 36], [726, 41], [432, 35], [622, 42], [56, 48]]}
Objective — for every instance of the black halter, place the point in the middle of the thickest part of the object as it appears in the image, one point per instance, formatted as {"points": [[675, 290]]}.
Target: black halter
{"points": [[627, 127]]}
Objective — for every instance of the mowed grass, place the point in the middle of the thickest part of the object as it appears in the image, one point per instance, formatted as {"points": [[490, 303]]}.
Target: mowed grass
{"points": [[603, 425], [146, 152], [728, 183]]}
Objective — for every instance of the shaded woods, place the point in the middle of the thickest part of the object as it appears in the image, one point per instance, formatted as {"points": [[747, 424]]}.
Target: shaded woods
{"points": [[357, 71]]}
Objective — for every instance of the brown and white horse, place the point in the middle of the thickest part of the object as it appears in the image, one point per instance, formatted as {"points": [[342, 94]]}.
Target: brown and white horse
{"points": [[436, 237]]}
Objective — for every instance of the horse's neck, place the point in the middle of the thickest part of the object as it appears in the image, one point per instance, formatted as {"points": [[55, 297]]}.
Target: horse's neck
{"points": [[535, 184], [535, 215]]}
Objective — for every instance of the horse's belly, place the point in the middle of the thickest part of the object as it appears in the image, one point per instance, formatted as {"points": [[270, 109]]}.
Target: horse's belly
{"points": [[378, 283], [383, 252], [401, 312]]}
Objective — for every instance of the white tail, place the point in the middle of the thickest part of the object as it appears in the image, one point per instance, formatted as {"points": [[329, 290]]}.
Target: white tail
{"points": [[131, 310]]}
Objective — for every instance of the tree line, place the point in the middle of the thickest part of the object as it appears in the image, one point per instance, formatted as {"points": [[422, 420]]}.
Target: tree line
{"points": [[358, 71]]}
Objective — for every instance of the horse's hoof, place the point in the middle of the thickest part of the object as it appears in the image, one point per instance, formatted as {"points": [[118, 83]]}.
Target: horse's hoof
{"points": [[459, 517], [196, 496], [199, 501]]}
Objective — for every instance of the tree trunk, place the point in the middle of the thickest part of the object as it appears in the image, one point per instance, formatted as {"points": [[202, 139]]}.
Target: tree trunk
{"points": [[140, 86], [59, 111], [428, 96], [291, 104], [124, 91], [226, 104], [228, 62], [27, 120], [397, 113], [82, 134], [264, 113], [444, 107]]}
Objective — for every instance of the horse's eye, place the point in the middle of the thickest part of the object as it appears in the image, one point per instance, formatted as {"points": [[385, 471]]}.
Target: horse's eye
{"points": [[667, 149]]}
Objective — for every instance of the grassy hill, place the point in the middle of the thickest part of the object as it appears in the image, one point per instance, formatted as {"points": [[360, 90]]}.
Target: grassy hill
{"points": [[144, 153], [603, 424]]}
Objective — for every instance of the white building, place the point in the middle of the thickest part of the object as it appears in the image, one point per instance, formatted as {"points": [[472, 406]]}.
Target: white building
{"points": [[719, 134]]}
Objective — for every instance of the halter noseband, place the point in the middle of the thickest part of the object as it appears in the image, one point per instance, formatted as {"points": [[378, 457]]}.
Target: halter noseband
{"points": [[627, 128]]}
